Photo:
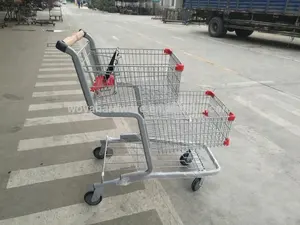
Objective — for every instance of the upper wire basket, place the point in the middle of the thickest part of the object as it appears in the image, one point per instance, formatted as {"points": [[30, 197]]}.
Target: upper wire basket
{"points": [[123, 79]]}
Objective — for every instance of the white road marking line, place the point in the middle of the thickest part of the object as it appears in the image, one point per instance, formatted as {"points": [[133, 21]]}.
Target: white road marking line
{"points": [[109, 209], [57, 69], [56, 83], [255, 50], [61, 140], [66, 170], [57, 93], [271, 117], [79, 214], [57, 56], [237, 84], [57, 64], [57, 51], [289, 95], [56, 105], [144, 36], [118, 26], [158, 42], [287, 107], [259, 140], [58, 60], [29, 122], [247, 83], [115, 38], [54, 52], [52, 49], [178, 38], [57, 76], [153, 197]]}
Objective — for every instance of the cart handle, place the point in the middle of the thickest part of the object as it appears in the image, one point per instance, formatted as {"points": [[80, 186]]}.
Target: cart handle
{"points": [[69, 41]]}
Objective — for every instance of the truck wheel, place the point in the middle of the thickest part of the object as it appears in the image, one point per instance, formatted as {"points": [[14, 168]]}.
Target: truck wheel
{"points": [[243, 33], [216, 27]]}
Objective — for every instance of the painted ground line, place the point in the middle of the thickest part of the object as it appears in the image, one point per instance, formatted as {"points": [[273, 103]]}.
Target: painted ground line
{"points": [[271, 117], [57, 76], [38, 121], [247, 83], [57, 64], [57, 52], [209, 62], [259, 140], [56, 83], [109, 209], [178, 38], [287, 107], [54, 49], [56, 105], [115, 38], [58, 60], [57, 93], [57, 69], [68, 139], [153, 197], [58, 56], [66, 170], [237, 84]]}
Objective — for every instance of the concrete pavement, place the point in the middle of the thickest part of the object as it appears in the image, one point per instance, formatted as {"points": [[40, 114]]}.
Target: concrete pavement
{"points": [[46, 158]]}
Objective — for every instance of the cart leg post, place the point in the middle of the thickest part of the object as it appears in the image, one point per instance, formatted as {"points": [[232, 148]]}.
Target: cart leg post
{"points": [[98, 193]]}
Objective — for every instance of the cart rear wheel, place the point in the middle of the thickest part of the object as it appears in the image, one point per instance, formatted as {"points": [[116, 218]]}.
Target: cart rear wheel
{"points": [[99, 152], [88, 198], [186, 158], [197, 184]]}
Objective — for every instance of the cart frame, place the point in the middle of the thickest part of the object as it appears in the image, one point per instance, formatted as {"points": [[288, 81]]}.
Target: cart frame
{"points": [[95, 191]]}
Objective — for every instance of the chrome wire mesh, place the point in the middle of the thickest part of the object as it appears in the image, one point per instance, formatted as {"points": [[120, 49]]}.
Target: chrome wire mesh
{"points": [[142, 76], [165, 158], [184, 120]]}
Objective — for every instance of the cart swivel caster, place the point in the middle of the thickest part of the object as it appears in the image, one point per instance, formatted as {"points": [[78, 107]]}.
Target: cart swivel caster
{"points": [[88, 198], [197, 183], [186, 158], [99, 152]]}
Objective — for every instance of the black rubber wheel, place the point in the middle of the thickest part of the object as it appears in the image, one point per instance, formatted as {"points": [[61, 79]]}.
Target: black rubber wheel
{"points": [[88, 198], [243, 33], [100, 154], [216, 27], [197, 184], [186, 158]]}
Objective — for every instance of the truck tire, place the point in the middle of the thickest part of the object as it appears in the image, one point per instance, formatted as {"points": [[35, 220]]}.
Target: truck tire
{"points": [[216, 27], [243, 33]]}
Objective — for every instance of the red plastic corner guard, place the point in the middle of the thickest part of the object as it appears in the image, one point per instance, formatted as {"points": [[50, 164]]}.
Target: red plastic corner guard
{"points": [[179, 67], [168, 51], [210, 93], [231, 117], [227, 142], [205, 112]]}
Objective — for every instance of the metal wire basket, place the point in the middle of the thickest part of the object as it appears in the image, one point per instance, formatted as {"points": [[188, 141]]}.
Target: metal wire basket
{"points": [[118, 73], [193, 118]]}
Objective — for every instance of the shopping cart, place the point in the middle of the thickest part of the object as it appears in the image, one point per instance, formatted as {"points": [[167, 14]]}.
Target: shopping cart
{"points": [[176, 128]]}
